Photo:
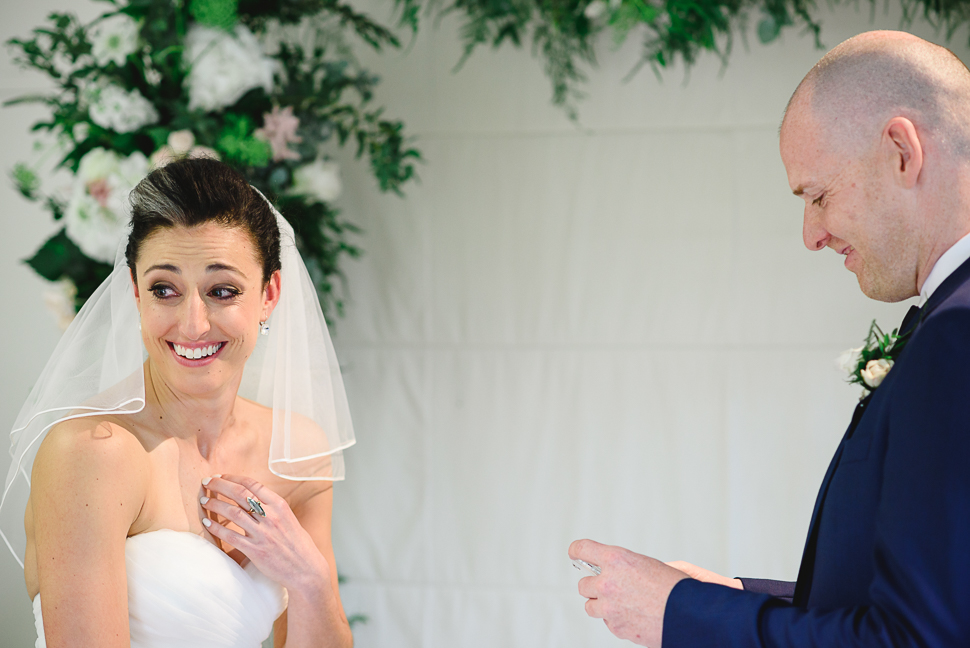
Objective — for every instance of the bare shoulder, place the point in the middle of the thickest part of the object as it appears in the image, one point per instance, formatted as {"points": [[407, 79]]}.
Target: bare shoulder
{"points": [[99, 449]]}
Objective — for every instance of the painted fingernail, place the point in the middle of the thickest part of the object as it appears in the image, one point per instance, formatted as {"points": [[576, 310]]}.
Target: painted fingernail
{"points": [[203, 499], [205, 482], [207, 522]]}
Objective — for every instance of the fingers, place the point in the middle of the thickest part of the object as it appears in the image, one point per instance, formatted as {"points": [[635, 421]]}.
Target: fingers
{"points": [[264, 493], [243, 519], [588, 550], [231, 487], [588, 587], [228, 536]]}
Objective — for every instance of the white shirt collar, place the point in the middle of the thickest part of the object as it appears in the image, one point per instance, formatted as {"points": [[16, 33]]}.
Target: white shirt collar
{"points": [[944, 267]]}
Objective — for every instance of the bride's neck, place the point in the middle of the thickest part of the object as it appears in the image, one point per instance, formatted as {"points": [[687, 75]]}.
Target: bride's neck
{"points": [[203, 419]]}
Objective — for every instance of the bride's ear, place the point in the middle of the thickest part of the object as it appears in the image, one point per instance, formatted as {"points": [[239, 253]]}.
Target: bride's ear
{"points": [[134, 285], [271, 294]]}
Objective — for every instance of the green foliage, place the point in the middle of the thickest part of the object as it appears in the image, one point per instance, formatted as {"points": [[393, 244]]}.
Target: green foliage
{"points": [[563, 32], [221, 14], [25, 180], [236, 141], [60, 258], [317, 77]]}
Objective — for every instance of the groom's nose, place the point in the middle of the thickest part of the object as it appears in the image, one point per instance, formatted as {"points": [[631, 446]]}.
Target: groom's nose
{"points": [[814, 235]]}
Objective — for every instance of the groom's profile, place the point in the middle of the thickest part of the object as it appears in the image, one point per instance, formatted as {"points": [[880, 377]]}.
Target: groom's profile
{"points": [[876, 141]]}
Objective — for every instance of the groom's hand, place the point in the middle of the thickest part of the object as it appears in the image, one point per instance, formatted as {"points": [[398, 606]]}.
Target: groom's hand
{"points": [[630, 593]]}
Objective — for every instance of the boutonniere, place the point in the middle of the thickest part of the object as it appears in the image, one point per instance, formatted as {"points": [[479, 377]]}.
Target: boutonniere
{"points": [[869, 364]]}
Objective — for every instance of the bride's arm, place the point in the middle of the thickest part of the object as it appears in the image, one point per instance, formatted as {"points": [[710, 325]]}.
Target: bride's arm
{"points": [[315, 616], [88, 483]]}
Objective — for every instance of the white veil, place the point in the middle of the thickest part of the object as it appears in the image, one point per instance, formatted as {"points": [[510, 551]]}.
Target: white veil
{"points": [[97, 369]]}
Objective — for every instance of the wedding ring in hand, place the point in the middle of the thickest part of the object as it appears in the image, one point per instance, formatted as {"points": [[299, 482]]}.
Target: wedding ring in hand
{"points": [[582, 565], [256, 507]]}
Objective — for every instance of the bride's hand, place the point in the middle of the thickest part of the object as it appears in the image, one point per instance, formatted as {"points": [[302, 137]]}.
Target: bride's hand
{"points": [[701, 574], [277, 544]]}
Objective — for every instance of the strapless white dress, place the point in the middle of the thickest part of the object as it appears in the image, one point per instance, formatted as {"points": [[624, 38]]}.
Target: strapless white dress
{"points": [[184, 592]]}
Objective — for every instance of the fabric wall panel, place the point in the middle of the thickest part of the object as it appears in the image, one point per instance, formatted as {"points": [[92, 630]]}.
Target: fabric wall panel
{"points": [[380, 511], [397, 614], [787, 408], [547, 244]]}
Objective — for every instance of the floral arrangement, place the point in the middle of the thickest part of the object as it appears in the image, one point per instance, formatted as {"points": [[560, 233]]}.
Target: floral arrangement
{"points": [[869, 364], [564, 32], [266, 86]]}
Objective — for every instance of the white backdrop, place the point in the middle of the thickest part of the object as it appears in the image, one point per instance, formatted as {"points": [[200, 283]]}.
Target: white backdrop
{"points": [[607, 330]]}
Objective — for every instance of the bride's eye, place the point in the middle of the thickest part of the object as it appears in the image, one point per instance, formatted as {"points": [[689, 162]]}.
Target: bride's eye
{"points": [[225, 293], [161, 291]]}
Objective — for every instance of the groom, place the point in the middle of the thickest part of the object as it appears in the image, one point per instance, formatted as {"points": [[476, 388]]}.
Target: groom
{"points": [[876, 141]]}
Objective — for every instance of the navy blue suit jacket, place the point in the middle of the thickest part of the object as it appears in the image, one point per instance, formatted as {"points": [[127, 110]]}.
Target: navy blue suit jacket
{"points": [[887, 561]]}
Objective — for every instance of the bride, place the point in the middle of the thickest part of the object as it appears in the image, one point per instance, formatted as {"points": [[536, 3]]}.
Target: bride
{"points": [[183, 497]]}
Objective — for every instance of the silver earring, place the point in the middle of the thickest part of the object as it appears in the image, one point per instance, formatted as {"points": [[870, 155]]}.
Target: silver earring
{"points": [[263, 328]]}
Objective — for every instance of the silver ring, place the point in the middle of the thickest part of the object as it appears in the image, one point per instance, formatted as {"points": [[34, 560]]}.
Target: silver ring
{"points": [[255, 506]]}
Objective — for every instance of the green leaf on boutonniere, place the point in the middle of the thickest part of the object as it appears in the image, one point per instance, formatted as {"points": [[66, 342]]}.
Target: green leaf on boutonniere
{"points": [[869, 364]]}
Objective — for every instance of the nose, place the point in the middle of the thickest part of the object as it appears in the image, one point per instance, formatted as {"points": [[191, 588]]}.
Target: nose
{"points": [[195, 317], [814, 235]]}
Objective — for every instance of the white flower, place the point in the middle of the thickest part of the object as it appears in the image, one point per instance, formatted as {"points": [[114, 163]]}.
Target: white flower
{"points": [[113, 39], [595, 9], [223, 66], [120, 110], [876, 371], [181, 144], [59, 298], [320, 179], [80, 131], [97, 215], [181, 141], [849, 360]]}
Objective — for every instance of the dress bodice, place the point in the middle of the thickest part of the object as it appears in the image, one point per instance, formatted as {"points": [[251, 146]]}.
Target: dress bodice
{"points": [[185, 592]]}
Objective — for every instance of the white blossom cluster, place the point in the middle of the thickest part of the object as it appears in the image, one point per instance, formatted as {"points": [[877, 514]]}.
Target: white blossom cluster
{"points": [[113, 39], [120, 110], [224, 66], [97, 214], [320, 179]]}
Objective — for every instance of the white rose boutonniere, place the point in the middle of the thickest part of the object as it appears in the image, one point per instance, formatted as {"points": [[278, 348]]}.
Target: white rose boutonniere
{"points": [[869, 364], [875, 371]]}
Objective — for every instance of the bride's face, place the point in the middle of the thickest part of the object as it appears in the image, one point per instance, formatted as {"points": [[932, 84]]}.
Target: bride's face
{"points": [[201, 296]]}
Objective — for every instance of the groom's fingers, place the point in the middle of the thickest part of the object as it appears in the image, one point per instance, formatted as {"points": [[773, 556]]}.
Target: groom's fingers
{"points": [[588, 587], [594, 608], [588, 550]]}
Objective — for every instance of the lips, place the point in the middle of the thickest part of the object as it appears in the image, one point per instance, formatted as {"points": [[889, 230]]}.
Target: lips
{"points": [[197, 354]]}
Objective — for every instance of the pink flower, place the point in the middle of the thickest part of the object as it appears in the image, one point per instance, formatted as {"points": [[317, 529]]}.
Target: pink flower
{"points": [[279, 129], [100, 190]]}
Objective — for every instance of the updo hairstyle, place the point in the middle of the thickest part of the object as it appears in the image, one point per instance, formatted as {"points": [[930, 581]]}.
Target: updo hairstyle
{"points": [[192, 192]]}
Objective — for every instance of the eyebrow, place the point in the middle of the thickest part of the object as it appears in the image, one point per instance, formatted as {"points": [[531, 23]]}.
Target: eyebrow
{"points": [[212, 267], [799, 190]]}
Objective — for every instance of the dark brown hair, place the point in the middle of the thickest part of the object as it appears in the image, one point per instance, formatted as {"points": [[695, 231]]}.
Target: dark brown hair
{"points": [[188, 193]]}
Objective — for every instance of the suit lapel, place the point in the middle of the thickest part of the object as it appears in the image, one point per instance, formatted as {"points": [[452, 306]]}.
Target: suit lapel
{"points": [[807, 568]]}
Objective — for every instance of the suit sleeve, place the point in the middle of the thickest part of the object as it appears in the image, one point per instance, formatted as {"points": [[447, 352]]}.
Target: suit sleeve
{"points": [[920, 594], [785, 590]]}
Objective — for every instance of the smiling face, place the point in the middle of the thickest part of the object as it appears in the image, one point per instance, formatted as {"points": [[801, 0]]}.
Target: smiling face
{"points": [[201, 297], [852, 206]]}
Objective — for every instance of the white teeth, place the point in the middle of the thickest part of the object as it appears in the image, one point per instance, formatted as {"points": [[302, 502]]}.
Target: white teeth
{"points": [[199, 352]]}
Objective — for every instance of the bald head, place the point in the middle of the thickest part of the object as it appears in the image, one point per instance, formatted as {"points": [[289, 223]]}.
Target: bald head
{"points": [[871, 78]]}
